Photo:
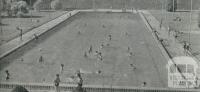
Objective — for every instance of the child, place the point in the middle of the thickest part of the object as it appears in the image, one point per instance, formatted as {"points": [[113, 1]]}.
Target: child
{"points": [[79, 32], [110, 37], [85, 55], [41, 59], [144, 84], [133, 66], [130, 54], [128, 50], [102, 45], [90, 49]]}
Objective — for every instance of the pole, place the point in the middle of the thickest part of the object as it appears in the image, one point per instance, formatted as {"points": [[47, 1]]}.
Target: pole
{"points": [[165, 3], [162, 7], [31, 11], [161, 21], [111, 5], [76, 4], [190, 18], [0, 16], [173, 5], [93, 4], [1, 24], [122, 5]]}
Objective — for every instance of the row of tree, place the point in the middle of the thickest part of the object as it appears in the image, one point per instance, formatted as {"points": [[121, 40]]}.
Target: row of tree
{"points": [[47, 4], [14, 7], [21, 7]]}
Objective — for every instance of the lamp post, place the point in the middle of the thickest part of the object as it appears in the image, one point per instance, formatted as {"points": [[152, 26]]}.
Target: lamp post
{"points": [[31, 10], [93, 6], [191, 1], [1, 16], [173, 5], [76, 4]]}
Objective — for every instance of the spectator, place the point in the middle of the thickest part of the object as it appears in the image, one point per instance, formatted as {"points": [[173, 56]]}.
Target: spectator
{"points": [[7, 75], [188, 47], [161, 21], [61, 68], [56, 83], [41, 59], [144, 84], [169, 30]]}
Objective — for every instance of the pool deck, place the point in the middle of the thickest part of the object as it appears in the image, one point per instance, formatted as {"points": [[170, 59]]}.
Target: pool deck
{"points": [[16, 43]]}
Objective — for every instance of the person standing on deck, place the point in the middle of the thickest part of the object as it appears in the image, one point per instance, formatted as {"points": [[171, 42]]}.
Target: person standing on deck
{"points": [[61, 68], [56, 83], [7, 75], [169, 30], [41, 58]]}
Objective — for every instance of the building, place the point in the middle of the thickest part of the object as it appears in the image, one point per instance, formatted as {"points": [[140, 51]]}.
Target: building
{"points": [[183, 72]]}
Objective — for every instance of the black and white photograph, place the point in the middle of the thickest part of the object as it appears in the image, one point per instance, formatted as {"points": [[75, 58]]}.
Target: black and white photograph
{"points": [[99, 45]]}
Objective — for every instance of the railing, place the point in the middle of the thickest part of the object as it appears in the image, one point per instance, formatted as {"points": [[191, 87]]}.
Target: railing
{"points": [[92, 88]]}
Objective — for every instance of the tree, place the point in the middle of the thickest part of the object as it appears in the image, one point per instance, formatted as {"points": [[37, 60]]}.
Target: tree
{"points": [[42, 5], [37, 5], [172, 5], [15, 7], [56, 5], [19, 8], [7, 7]]}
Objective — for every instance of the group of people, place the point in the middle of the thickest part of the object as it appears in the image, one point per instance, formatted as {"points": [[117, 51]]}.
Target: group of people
{"points": [[186, 45], [57, 82], [175, 32], [98, 53]]}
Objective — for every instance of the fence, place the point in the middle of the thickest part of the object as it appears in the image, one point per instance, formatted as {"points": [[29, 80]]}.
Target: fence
{"points": [[92, 88]]}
